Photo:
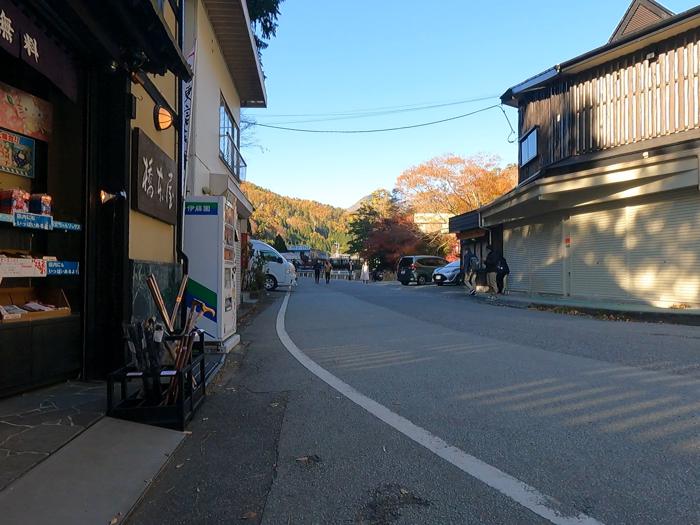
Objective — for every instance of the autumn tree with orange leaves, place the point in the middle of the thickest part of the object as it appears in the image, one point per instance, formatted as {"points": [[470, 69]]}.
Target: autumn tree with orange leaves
{"points": [[455, 185]]}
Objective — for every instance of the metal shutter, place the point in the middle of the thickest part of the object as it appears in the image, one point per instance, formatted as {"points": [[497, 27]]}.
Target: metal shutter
{"points": [[546, 257], [664, 250], [515, 252], [598, 263]]}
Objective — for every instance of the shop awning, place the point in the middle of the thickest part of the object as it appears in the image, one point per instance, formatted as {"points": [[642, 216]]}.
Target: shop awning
{"points": [[464, 222], [624, 180]]}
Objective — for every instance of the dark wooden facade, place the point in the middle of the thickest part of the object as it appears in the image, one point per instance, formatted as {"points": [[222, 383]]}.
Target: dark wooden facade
{"points": [[645, 95]]}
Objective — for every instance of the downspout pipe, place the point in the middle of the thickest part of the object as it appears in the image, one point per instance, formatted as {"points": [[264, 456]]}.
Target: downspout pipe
{"points": [[181, 255]]}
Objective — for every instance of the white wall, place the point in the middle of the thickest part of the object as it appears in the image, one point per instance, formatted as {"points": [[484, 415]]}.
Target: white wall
{"points": [[212, 79]]}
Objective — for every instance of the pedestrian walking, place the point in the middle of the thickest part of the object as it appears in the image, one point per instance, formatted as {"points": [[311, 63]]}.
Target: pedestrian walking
{"points": [[364, 275], [491, 263], [327, 268], [350, 271], [317, 271], [471, 267], [502, 271]]}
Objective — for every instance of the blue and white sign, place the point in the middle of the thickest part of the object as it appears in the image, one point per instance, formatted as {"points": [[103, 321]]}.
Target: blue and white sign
{"points": [[201, 208], [68, 226], [62, 268], [32, 220]]}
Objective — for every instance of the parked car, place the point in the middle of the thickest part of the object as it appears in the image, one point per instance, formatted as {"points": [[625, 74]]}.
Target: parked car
{"points": [[449, 274], [418, 268], [278, 270]]}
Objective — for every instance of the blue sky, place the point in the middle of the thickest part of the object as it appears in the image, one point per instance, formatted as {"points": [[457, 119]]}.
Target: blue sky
{"points": [[345, 56]]}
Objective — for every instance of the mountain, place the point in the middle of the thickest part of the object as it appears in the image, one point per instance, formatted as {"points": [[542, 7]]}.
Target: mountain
{"points": [[298, 221], [356, 206]]}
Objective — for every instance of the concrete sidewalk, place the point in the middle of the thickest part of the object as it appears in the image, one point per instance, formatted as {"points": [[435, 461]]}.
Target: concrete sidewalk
{"points": [[94, 479], [638, 311]]}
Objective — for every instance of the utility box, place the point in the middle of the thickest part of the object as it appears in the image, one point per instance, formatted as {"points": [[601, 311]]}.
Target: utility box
{"points": [[210, 240]]}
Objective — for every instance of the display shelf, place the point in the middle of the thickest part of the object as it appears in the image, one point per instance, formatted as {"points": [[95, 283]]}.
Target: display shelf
{"points": [[39, 222], [12, 267]]}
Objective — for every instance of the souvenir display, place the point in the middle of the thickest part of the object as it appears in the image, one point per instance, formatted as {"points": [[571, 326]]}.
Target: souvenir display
{"points": [[40, 203], [16, 154], [14, 200]]}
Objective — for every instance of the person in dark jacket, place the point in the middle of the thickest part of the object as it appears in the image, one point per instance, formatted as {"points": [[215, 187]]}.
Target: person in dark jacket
{"points": [[502, 271], [317, 270], [470, 263], [491, 264]]}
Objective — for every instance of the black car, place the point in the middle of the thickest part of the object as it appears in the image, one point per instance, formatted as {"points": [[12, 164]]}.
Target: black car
{"points": [[418, 268]]}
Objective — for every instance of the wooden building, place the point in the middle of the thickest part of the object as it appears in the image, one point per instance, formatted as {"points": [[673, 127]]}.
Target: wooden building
{"points": [[608, 200]]}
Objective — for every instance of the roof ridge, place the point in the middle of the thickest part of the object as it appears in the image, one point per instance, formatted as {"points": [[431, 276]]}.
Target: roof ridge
{"points": [[651, 5]]}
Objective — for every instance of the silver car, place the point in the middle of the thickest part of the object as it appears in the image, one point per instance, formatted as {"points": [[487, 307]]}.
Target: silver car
{"points": [[449, 274]]}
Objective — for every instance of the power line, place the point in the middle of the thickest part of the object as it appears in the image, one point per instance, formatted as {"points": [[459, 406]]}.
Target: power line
{"points": [[398, 128], [382, 113], [379, 110]]}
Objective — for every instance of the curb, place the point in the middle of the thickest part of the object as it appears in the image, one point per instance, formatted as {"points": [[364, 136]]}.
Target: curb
{"points": [[608, 314]]}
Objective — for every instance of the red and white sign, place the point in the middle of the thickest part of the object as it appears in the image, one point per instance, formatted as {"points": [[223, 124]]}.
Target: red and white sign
{"points": [[12, 267]]}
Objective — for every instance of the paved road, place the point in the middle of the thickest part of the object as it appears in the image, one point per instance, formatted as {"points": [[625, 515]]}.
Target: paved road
{"points": [[601, 416]]}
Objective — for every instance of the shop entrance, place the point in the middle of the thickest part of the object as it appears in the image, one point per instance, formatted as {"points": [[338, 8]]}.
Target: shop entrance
{"points": [[42, 152]]}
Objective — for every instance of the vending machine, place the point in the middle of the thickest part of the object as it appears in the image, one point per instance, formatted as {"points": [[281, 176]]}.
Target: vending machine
{"points": [[210, 245]]}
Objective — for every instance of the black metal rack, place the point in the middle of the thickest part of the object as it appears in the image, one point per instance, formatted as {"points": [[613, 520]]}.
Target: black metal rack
{"points": [[133, 407]]}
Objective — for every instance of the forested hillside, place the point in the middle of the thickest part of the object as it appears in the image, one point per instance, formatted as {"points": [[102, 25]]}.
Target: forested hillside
{"points": [[298, 221]]}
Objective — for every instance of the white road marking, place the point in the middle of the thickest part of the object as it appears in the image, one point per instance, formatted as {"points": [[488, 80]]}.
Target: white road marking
{"points": [[519, 491]]}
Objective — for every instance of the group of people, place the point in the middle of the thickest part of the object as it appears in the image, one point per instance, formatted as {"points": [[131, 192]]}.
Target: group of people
{"points": [[496, 268], [324, 266]]}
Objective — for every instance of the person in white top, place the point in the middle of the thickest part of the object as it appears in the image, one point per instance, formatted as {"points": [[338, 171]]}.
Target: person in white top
{"points": [[364, 276]]}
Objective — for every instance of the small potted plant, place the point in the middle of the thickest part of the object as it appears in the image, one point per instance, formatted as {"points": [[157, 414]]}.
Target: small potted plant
{"points": [[254, 280]]}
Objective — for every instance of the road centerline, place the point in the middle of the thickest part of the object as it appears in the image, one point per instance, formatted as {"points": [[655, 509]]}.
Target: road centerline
{"points": [[511, 487]]}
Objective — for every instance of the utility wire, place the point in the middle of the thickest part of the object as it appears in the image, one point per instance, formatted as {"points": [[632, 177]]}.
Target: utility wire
{"points": [[379, 110], [380, 113], [398, 128]]}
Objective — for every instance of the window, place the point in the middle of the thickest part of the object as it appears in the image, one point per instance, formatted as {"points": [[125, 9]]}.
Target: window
{"points": [[528, 147], [229, 140], [270, 256], [405, 262]]}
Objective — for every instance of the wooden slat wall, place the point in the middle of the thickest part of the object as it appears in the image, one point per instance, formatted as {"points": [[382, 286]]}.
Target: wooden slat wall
{"points": [[623, 102]]}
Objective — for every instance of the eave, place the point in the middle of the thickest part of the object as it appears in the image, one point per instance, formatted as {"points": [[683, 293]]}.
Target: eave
{"points": [[231, 24]]}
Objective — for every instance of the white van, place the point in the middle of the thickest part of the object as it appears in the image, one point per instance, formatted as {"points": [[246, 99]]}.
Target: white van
{"points": [[278, 270]]}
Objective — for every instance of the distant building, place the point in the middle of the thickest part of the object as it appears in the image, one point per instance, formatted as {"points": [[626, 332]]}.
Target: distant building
{"points": [[296, 248], [432, 222]]}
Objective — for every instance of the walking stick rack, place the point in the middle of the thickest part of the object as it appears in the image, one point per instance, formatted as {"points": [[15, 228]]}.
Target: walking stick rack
{"points": [[181, 387]]}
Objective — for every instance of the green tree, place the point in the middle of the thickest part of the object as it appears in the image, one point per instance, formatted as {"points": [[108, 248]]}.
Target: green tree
{"points": [[263, 19], [279, 244], [367, 228]]}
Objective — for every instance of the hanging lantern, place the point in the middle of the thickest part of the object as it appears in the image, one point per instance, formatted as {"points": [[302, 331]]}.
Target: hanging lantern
{"points": [[162, 117]]}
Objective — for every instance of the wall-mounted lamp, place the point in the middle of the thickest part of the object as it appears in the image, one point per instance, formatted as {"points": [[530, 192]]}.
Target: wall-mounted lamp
{"points": [[162, 117], [106, 196]]}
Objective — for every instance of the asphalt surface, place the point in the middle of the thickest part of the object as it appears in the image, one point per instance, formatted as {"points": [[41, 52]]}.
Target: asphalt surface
{"points": [[602, 416]]}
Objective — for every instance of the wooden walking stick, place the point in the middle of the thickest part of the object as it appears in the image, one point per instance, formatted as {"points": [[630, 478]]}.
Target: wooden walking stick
{"points": [[185, 345], [162, 310], [178, 299], [158, 299]]}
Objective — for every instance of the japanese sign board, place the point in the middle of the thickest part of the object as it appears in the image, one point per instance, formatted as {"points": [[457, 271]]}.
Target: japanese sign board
{"points": [[16, 153], [15, 267], [62, 268], [201, 208], [69, 226], [23, 39], [154, 180], [32, 220]]}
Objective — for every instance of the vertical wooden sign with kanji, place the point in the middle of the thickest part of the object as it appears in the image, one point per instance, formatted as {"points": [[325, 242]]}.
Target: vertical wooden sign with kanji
{"points": [[154, 179]]}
